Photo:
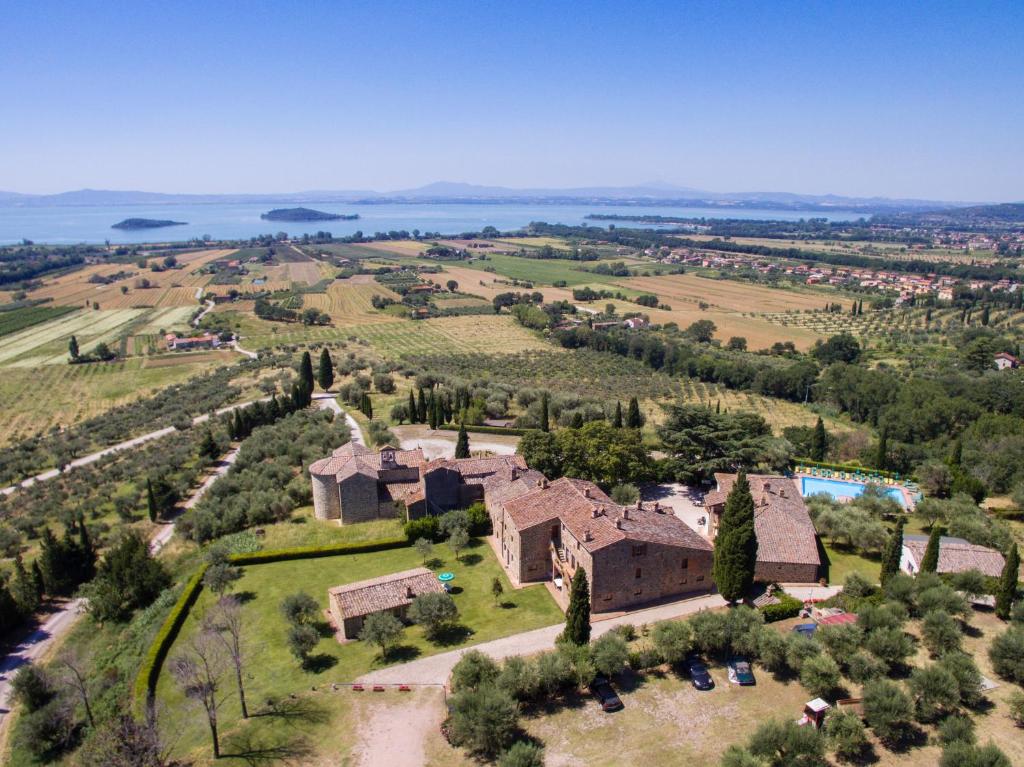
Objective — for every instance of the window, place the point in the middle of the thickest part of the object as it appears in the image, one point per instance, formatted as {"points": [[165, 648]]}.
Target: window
{"points": [[606, 598], [700, 578], [639, 573], [682, 580], [638, 592], [686, 562], [639, 549]]}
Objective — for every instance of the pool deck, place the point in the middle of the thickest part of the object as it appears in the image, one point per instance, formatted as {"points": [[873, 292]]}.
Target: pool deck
{"points": [[909, 503]]}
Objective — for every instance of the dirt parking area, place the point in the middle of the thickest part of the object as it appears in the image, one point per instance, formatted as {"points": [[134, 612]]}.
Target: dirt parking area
{"points": [[441, 444], [395, 727]]}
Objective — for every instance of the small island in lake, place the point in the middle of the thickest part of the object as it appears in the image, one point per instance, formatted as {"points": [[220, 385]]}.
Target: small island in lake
{"points": [[305, 214], [145, 223]]}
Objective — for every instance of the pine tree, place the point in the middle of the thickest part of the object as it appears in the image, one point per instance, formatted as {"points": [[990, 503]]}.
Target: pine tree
{"points": [[735, 553], [306, 371], [1006, 593], [819, 441], [617, 420], [73, 348], [325, 373], [577, 617], [892, 553], [633, 418], [23, 589], [545, 424], [413, 412], [882, 451], [462, 444], [930, 560], [421, 407], [151, 505]]}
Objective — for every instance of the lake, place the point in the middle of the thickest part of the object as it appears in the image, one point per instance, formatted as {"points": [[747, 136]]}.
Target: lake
{"points": [[67, 224]]}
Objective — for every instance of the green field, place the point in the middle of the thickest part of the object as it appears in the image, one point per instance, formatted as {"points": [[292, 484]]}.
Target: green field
{"points": [[274, 673], [13, 320], [543, 271]]}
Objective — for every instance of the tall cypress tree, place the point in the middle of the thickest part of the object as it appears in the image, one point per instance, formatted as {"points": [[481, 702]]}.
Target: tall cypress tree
{"points": [[819, 441], [545, 424], [432, 412], [577, 617], [306, 371], [73, 348], [23, 589], [893, 552], [413, 412], [617, 420], [1006, 594], [930, 560], [151, 505], [421, 407], [633, 418], [462, 444], [735, 554], [325, 372]]}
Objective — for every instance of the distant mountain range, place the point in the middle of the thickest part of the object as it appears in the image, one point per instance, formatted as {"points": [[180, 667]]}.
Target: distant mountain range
{"points": [[452, 192]]}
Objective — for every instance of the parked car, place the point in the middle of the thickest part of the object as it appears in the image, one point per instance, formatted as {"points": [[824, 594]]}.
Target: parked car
{"points": [[601, 689], [700, 677], [740, 672]]}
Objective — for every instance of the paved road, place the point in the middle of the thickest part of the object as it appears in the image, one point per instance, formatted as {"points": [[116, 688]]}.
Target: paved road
{"points": [[437, 668], [327, 401], [135, 442]]}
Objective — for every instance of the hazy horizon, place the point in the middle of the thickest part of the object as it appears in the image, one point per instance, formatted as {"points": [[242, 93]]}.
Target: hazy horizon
{"points": [[858, 100]]}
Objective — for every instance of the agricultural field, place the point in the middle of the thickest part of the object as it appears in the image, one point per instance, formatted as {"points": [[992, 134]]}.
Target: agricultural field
{"points": [[893, 250], [13, 320], [35, 399], [47, 344]]}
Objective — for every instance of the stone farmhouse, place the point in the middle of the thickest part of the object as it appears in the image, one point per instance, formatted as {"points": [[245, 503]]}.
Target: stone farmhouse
{"points": [[787, 544], [631, 555], [357, 484], [351, 603], [955, 556]]}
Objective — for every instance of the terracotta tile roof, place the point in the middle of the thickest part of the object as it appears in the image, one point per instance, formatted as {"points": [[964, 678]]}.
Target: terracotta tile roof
{"points": [[359, 458], [501, 487], [384, 593], [595, 520], [957, 555], [477, 467], [784, 529]]}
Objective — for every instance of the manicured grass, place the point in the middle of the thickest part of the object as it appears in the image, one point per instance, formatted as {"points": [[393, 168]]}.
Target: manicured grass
{"points": [[275, 673], [842, 563]]}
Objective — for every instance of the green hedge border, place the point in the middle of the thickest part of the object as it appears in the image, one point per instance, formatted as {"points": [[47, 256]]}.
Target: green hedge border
{"points": [[510, 430], [149, 673]]}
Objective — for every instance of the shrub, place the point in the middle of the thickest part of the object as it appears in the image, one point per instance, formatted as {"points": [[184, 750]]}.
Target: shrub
{"points": [[32, 687], [519, 677], [960, 754], [846, 733], [483, 720], [479, 520], [424, 527], [314, 552], [941, 633], [786, 743], [968, 677], [772, 651], [864, 667], [609, 654], [820, 675], [554, 673], [473, 671], [799, 648], [433, 612], [673, 640], [1017, 708], [935, 692], [644, 659], [522, 754], [956, 728], [840, 641], [299, 608], [887, 710], [890, 645], [1007, 654]]}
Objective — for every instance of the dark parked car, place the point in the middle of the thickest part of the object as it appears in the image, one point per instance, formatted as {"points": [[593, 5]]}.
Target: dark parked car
{"points": [[602, 690], [740, 672], [699, 675]]}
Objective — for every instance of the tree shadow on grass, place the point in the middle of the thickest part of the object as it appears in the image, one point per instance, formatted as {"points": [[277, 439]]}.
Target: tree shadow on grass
{"points": [[452, 634], [402, 653], [470, 559], [245, 597], [294, 709], [323, 629], [257, 751], [508, 605], [317, 664], [434, 563]]}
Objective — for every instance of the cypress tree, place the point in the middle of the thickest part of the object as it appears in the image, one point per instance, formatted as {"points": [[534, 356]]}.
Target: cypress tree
{"points": [[37, 581], [545, 424], [24, 590], [151, 506], [819, 441], [956, 454], [432, 412], [325, 373], [882, 452], [633, 418], [577, 420], [366, 406], [892, 553], [984, 315], [462, 444], [413, 412], [928, 315], [208, 445], [930, 560], [718, 406], [617, 420], [421, 407], [306, 371], [237, 426], [577, 617], [1006, 593], [735, 553], [73, 348]]}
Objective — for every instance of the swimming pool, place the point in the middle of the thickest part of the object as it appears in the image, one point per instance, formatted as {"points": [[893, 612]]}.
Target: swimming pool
{"points": [[838, 488]]}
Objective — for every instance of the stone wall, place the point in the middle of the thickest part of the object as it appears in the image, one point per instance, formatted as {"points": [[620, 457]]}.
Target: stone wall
{"points": [[785, 572], [630, 574], [359, 499], [326, 502]]}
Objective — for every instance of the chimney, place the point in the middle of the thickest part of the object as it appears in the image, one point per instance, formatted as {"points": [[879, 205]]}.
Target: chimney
{"points": [[595, 512], [408, 592], [587, 536], [639, 505], [618, 523], [657, 507], [625, 513], [782, 492], [586, 492], [767, 487], [515, 474]]}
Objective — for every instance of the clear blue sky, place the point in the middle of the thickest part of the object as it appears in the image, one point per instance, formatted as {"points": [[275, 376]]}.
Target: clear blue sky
{"points": [[858, 98]]}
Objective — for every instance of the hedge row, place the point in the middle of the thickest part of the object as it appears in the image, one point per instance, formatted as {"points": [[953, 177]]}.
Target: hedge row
{"points": [[312, 552], [788, 607], [511, 430], [850, 467], [145, 682]]}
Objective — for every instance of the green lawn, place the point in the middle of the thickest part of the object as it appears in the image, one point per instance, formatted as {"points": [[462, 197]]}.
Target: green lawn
{"points": [[841, 563], [542, 271], [274, 673]]}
